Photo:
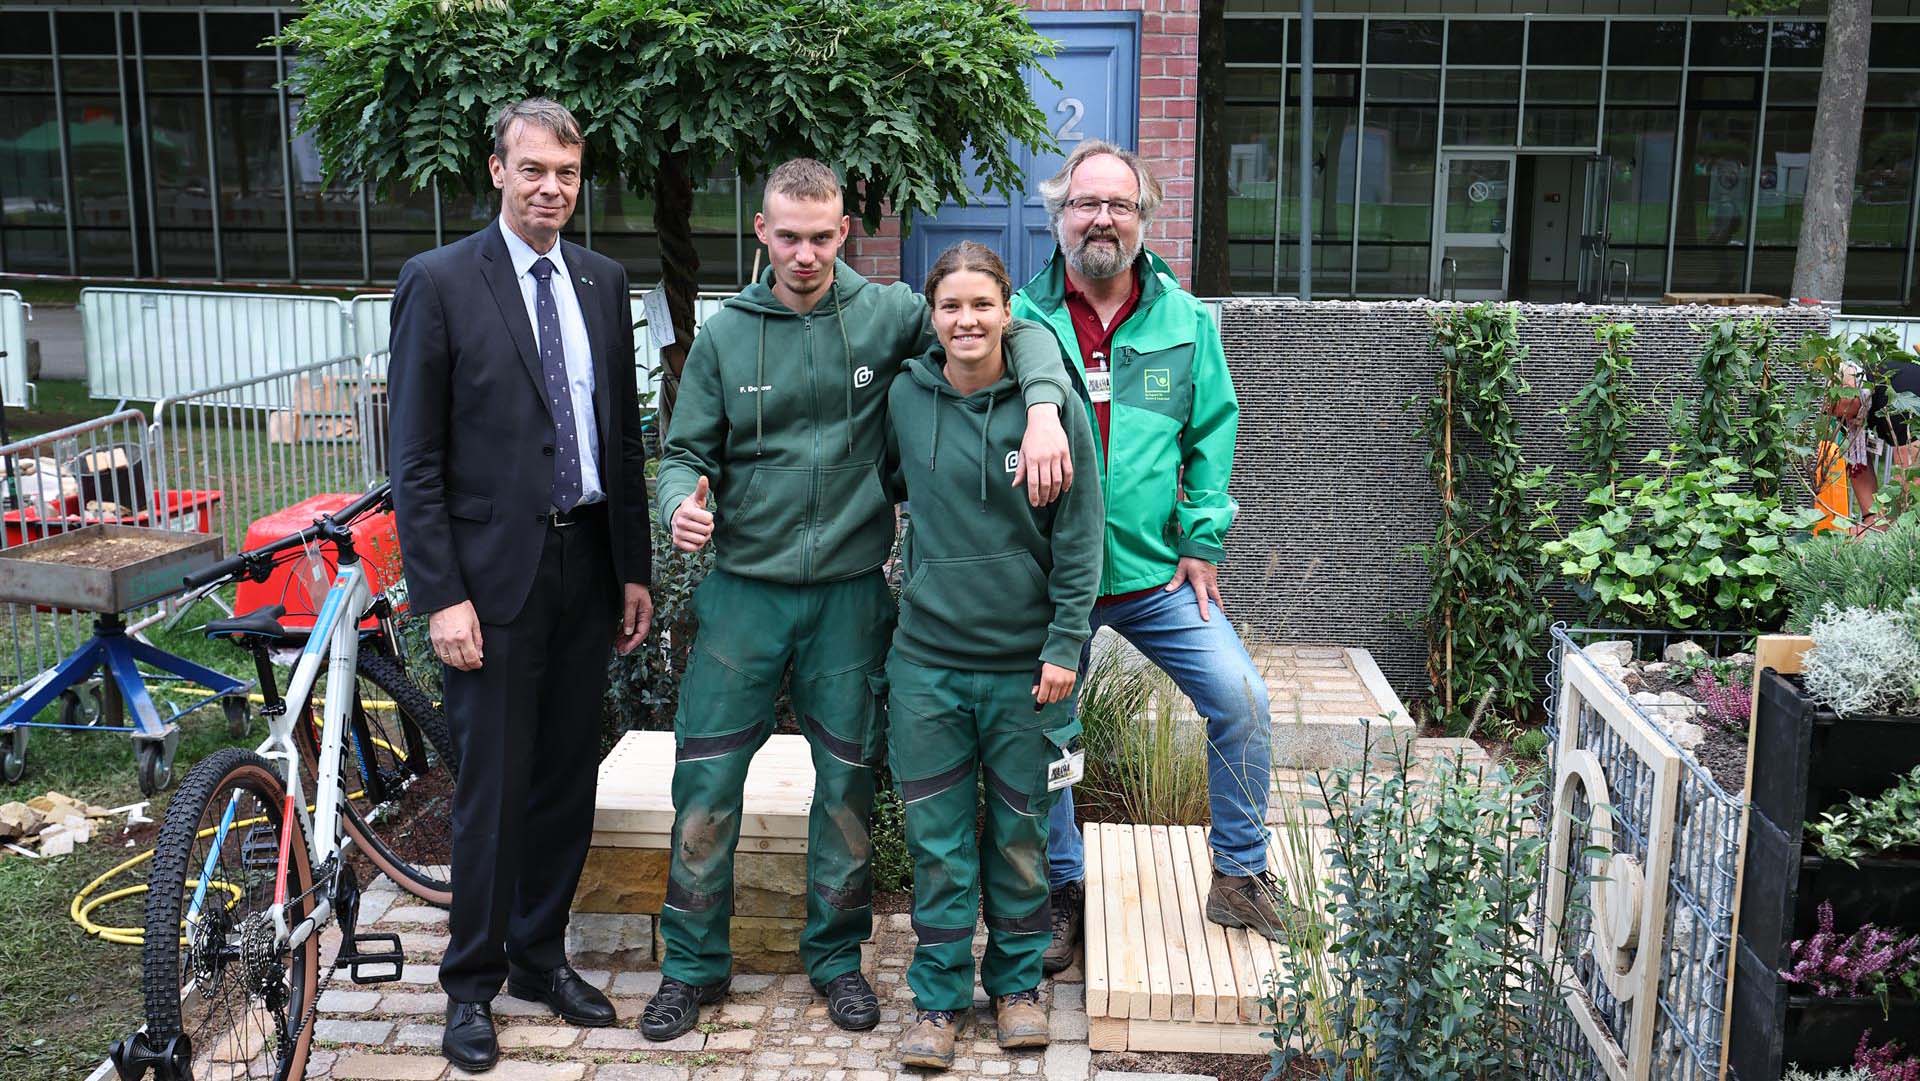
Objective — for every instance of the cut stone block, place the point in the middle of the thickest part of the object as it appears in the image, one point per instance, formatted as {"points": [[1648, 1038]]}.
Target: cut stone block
{"points": [[761, 944], [610, 939]]}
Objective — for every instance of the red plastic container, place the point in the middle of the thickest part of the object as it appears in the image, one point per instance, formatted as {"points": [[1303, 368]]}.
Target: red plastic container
{"points": [[374, 539]]}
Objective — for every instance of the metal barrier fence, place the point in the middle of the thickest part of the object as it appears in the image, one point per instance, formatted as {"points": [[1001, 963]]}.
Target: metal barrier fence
{"points": [[1652, 810], [143, 344], [270, 441], [1907, 328], [96, 471], [15, 313]]}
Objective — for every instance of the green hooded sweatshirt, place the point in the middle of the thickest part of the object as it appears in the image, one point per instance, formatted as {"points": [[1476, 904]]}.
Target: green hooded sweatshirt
{"points": [[1170, 429], [992, 583], [785, 415]]}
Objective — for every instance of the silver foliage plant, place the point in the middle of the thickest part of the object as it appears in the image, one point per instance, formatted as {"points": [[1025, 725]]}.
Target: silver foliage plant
{"points": [[1865, 660], [1795, 1073]]}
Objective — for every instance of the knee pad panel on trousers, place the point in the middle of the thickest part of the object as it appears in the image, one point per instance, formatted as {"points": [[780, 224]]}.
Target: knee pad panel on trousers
{"points": [[1033, 923], [929, 935], [687, 900], [854, 897]]}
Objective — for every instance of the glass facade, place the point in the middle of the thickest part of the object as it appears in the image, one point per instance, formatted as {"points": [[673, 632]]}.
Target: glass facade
{"points": [[159, 143], [1701, 127]]}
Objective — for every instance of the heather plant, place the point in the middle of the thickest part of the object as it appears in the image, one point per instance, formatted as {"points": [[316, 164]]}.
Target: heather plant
{"points": [[1887, 1062], [1865, 660], [1871, 826], [1872, 962], [1726, 697]]}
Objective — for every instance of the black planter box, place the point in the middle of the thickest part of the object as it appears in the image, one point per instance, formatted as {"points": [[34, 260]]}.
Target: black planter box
{"points": [[1806, 759]]}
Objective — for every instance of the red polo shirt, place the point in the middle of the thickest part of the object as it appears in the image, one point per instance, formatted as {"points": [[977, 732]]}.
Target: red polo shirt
{"points": [[1096, 341], [1096, 344]]}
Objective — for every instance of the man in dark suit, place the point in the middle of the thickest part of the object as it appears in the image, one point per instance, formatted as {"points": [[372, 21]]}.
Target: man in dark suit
{"points": [[520, 490]]}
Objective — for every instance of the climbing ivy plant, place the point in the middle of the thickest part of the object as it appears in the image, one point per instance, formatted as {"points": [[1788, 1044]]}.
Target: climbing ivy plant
{"points": [[1749, 409], [1485, 617], [1600, 418]]}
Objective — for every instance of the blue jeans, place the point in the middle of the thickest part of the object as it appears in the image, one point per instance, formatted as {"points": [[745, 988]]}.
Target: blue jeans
{"points": [[1210, 665]]}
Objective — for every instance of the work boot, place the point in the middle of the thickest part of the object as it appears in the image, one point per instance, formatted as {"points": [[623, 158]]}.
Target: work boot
{"points": [[1020, 1020], [929, 1043], [675, 1008], [851, 1003], [1069, 909], [1255, 902]]}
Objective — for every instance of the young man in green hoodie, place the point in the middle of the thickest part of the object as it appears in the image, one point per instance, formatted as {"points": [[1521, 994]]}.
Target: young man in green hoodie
{"points": [[781, 419], [993, 617], [1147, 356]]}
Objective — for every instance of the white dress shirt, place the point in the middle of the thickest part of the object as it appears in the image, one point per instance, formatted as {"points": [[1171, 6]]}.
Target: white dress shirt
{"points": [[573, 342]]}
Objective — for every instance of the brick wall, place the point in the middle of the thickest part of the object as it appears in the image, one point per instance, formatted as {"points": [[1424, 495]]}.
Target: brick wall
{"points": [[1169, 129], [1330, 470]]}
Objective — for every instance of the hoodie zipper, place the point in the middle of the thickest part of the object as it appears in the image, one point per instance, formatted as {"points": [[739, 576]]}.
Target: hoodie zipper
{"points": [[813, 474]]}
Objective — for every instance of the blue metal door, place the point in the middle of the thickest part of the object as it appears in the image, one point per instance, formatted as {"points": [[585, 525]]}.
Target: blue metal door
{"points": [[1098, 65]]}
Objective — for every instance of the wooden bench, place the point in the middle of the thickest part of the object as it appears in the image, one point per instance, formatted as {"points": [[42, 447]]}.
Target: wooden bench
{"points": [[624, 882]]}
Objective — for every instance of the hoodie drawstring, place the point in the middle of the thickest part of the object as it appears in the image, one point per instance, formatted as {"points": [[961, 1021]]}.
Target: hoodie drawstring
{"points": [[986, 430], [840, 320], [933, 455], [759, 394]]}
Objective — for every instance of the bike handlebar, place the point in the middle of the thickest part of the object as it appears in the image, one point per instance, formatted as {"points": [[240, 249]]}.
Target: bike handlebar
{"points": [[244, 561]]}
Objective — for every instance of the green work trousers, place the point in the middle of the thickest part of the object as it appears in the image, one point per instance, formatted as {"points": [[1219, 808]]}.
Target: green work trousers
{"points": [[834, 636], [946, 729]]}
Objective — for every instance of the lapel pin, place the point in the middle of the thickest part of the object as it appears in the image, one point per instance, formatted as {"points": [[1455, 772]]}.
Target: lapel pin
{"points": [[584, 280]]}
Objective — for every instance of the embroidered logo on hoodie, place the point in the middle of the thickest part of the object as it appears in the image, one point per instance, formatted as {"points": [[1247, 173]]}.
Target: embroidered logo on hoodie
{"points": [[862, 376], [1013, 460]]}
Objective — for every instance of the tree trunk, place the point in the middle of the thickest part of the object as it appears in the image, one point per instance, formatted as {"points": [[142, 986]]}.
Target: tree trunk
{"points": [[1820, 264], [1212, 267], [679, 272]]}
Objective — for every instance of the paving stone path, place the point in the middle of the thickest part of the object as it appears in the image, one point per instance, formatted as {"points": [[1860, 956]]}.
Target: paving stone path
{"points": [[772, 1028]]}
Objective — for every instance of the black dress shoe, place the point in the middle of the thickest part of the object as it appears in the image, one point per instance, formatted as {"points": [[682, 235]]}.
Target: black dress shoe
{"points": [[851, 1003], [675, 1008], [564, 992], [469, 1042]]}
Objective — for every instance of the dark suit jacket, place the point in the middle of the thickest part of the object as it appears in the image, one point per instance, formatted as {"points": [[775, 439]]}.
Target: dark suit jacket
{"points": [[472, 436]]}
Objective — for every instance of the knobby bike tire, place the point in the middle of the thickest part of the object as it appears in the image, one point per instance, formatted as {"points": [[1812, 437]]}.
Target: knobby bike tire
{"points": [[178, 861]]}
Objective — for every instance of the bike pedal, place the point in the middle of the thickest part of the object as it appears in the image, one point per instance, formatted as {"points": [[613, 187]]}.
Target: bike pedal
{"points": [[260, 847], [377, 950]]}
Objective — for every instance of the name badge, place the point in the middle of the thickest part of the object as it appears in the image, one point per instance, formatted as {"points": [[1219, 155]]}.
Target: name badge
{"points": [[1067, 772], [1100, 386]]}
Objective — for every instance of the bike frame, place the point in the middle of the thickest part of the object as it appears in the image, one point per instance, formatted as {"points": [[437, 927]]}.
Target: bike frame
{"points": [[335, 642]]}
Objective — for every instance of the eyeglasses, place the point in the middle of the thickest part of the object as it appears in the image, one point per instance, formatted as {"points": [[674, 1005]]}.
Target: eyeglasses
{"points": [[1089, 207]]}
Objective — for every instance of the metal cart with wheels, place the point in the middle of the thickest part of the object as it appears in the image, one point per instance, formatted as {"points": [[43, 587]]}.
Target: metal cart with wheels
{"points": [[109, 570]]}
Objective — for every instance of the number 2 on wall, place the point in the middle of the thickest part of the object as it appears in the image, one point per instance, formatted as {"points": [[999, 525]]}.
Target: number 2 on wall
{"points": [[1070, 131]]}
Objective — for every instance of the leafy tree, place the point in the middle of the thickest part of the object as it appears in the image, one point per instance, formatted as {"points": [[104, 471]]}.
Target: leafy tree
{"points": [[893, 94]]}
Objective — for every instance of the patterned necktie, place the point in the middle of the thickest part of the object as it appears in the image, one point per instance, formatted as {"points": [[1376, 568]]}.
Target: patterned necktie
{"points": [[553, 358]]}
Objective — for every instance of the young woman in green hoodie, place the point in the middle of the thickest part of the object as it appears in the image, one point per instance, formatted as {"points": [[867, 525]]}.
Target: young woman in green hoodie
{"points": [[992, 619]]}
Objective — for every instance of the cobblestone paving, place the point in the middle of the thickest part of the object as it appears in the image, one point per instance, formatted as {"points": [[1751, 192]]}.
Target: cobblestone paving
{"points": [[771, 1028]]}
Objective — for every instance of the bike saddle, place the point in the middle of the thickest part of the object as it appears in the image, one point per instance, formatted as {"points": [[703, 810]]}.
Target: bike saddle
{"points": [[261, 622]]}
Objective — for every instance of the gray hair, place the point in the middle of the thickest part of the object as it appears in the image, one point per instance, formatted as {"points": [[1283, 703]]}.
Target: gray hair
{"points": [[541, 112], [1054, 190]]}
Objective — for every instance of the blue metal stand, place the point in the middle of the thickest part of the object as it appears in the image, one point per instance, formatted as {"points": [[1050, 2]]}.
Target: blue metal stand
{"points": [[112, 650]]}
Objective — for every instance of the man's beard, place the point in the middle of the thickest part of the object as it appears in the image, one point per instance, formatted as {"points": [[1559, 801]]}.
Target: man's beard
{"points": [[1105, 260]]}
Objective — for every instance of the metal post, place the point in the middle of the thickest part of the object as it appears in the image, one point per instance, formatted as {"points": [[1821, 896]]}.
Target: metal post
{"points": [[1306, 149], [216, 200], [66, 149]]}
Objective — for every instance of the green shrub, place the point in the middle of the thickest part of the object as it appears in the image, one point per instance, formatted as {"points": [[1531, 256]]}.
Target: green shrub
{"points": [[1428, 913], [1833, 569], [1864, 826], [892, 865]]}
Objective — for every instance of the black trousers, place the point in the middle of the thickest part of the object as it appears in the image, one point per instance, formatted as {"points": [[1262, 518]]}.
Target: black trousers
{"points": [[527, 723]]}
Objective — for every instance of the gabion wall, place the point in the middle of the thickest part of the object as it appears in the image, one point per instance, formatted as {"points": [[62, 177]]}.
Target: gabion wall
{"points": [[1330, 471]]}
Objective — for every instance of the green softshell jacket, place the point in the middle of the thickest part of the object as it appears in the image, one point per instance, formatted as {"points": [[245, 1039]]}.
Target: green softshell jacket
{"points": [[992, 583], [1171, 425], [785, 415]]}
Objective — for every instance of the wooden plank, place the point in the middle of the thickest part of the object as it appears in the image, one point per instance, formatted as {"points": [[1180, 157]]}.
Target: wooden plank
{"points": [[1192, 925], [1093, 948], [1197, 1038], [1122, 973], [1128, 932], [1239, 953], [1153, 932], [1219, 960], [1106, 1034], [1179, 965]]}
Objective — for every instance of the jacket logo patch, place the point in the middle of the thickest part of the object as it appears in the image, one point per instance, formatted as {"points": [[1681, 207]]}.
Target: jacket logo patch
{"points": [[862, 376], [1013, 460], [1159, 384]]}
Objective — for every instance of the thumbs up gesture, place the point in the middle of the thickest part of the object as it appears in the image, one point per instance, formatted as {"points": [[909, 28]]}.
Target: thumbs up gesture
{"points": [[692, 521]]}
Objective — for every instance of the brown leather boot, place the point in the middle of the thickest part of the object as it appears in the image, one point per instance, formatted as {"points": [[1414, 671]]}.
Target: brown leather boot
{"points": [[1255, 902], [1020, 1020], [929, 1043], [1069, 904]]}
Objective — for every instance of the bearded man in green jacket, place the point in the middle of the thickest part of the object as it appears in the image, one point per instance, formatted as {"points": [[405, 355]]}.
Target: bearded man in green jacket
{"points": [[1146, 355], [781, 419]]}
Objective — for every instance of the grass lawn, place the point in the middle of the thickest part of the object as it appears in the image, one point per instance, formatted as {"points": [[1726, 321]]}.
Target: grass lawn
{"points": [[61, 402], [64, 996]]}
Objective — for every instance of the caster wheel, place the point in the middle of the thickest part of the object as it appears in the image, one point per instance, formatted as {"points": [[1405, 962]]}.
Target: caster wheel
{"points": [[81, 706], [156, 769], [13, 764], [237, 719]]}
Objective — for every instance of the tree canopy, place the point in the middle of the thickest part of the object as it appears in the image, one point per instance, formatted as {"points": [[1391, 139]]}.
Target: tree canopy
{"points": [[890, 93]]}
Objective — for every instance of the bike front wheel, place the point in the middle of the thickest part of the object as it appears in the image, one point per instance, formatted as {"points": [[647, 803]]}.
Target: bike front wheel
{"points": [[212, 970]]}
